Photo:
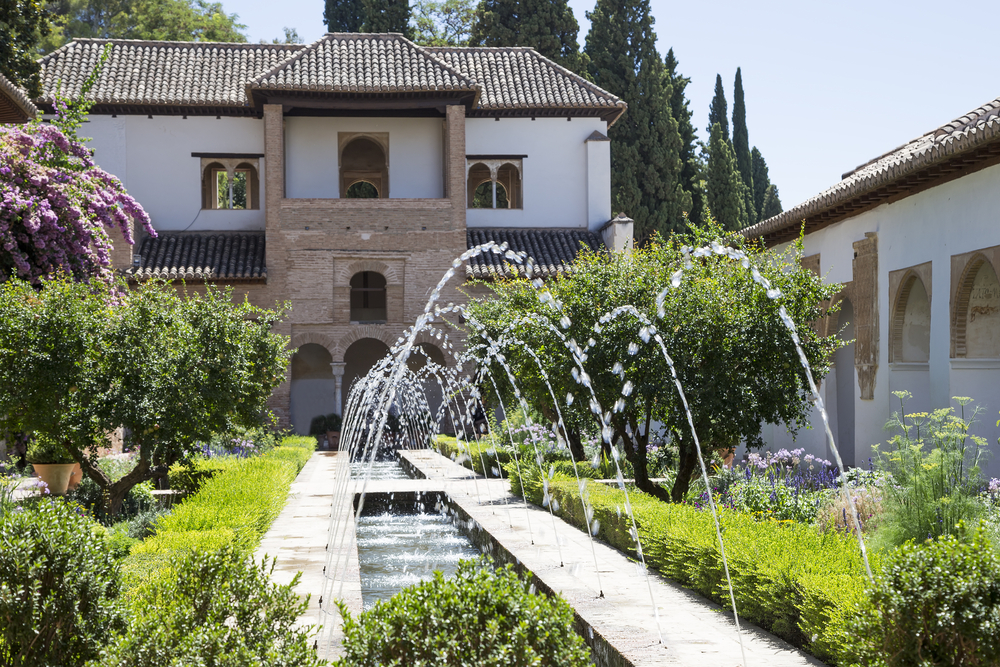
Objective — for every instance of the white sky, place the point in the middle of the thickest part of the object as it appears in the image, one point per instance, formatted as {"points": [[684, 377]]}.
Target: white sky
{"points": [[828, 85]]}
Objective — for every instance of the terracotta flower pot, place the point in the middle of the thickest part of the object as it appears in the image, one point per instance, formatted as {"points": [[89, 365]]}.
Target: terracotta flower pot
{"points": [[76, 477], [333, 440], [55, 475]]}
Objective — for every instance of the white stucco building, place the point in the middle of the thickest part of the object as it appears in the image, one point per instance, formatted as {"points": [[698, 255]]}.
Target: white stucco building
{"points": [[914, 236]]}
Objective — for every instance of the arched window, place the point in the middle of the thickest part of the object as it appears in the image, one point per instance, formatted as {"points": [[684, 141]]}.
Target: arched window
{"points": [[230, 184], [977, 316], [494, 183], [368, 297], [911, 323], [364, 167]]}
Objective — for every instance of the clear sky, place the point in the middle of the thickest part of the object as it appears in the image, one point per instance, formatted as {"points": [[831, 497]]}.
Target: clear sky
{"points": [[828, 85]]}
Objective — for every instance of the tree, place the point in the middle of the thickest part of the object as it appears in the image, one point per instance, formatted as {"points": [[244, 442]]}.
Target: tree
{"points": [[159, 20], [387, 16], [291, 37], [761, 181], [547, 26], [22, 24], [718, 111], [691, 164], [734, 357], [772, 203], [645, 142], [724, 188], [447, 23], [78, 360], [741, 147], [344, 15]]}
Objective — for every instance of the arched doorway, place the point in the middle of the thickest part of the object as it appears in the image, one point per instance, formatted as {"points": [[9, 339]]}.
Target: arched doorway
{"points": [[846, 383], [359, 358], [364, 169], [313, 388]]}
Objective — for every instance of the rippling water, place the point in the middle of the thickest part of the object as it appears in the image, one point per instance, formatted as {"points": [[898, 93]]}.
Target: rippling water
{"points": [[380, 470], [399, 550]]}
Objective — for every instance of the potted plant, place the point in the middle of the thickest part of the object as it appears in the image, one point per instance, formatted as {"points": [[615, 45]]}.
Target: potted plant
{"points": [[333, 423], [52, 462], [317, 428]]}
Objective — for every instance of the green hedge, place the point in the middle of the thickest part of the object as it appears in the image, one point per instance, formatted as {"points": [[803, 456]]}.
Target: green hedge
{"points": [[235, 507], [789, 578], [473, 454]]}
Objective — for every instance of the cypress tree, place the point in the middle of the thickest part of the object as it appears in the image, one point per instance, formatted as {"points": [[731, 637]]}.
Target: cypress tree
{"points": [[691, 165], [760, 181], [719, 111], [387, 16], [724, 187], [646, 144], [772, 203], [547, 26], [344, 15], [741, 147]]}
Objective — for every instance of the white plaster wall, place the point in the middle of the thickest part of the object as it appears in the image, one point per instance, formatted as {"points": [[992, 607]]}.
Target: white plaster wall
{"points": [[416, 155], [554, 179], [152, 157], [598, 184], [931, 226]]}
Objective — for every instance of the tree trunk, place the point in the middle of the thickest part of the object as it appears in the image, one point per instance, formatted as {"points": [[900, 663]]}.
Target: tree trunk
{"points": [[636, 455], [685, 468], [576, 445], [115, 493]]}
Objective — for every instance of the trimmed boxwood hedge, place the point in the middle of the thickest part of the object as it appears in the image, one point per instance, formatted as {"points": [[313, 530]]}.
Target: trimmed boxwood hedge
{"points": [[234, 508]]}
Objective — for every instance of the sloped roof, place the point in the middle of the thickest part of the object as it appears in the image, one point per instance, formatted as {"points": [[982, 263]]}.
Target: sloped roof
{"points": [[363, 63], [191, 75], [15, 107], [197, 257], [968, 143], [226, 78], [521, 78], [553, 250]]}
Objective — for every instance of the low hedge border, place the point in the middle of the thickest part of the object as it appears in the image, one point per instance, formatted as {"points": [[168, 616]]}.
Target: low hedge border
{"points": [[234, 508], [789, 578]]}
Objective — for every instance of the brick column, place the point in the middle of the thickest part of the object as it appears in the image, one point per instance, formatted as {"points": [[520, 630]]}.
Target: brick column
{"points": [[121, 252], [274, 162], [274, 192], [454, 143]]}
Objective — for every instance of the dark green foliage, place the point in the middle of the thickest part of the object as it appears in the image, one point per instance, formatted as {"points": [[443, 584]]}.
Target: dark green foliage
{"points": [[169, 20], [344, 15], [445, 23], [58, 587], [387, 16], [646, 143], [734, 356], [548, 26], [22, 24], [761, 181], [741, 148], [91, 497], [219, 610], [691, 164], [772, 203], [724, 188], [478, 617], [719, 111], [936, 603]]}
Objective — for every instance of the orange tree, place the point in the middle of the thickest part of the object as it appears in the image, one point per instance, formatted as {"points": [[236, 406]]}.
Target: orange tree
{"points": [[78, 360], [734, 357]]}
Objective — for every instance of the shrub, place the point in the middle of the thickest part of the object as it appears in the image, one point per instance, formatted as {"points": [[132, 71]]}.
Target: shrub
{"points": [[936, 603], [935, 490], [58, 587], [478, 617], [220, 609]]}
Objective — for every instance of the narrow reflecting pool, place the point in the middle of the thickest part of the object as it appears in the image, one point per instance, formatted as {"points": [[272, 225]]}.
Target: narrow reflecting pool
{"points": [[399, 550], [379, 470]]}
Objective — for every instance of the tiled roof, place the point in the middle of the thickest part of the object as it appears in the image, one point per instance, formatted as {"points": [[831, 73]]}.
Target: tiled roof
{"points": [[161, 74], [363, 63], [15, 107], [234, 256], [521, 78], [552, 249], [207, 77], [966, 143]]}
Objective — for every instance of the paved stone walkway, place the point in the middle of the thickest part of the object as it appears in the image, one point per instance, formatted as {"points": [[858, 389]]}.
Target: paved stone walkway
{"points": [[695, 631]]}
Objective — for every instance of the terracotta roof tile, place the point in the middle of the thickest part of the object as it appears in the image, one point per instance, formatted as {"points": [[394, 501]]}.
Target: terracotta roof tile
{"points": [[197, 257], [553, 250], [15, 107], [965, 134]]}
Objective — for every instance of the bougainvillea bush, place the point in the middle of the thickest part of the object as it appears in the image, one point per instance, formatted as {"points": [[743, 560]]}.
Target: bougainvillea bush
{"points": [[56, 206]]}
